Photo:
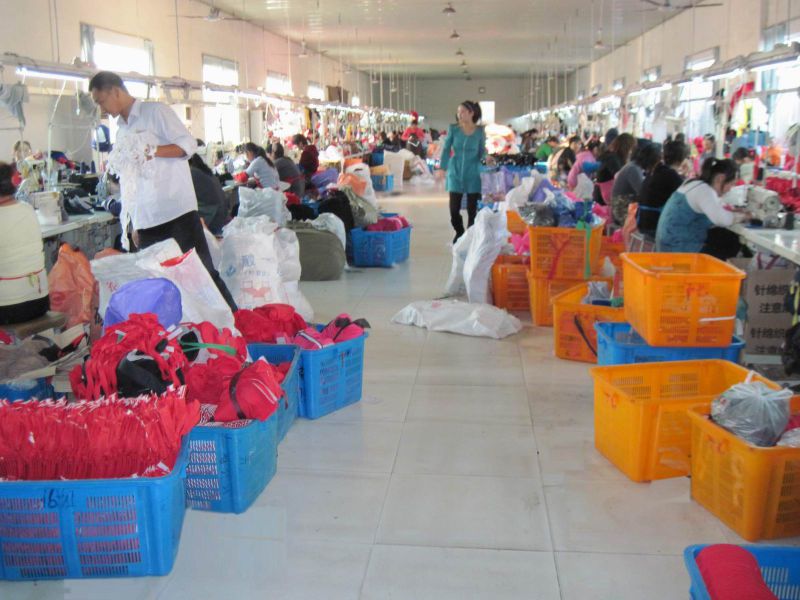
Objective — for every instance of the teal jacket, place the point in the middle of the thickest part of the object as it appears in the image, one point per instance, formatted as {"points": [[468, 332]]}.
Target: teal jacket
{"points": [[464, 167]]}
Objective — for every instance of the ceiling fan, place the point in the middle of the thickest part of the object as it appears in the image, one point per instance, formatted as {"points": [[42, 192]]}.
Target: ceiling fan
{"points": [[214, 15], [667, 5]]}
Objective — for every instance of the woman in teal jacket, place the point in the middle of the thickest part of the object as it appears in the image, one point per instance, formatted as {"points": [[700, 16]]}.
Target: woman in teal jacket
{"points": [[466, 140]]}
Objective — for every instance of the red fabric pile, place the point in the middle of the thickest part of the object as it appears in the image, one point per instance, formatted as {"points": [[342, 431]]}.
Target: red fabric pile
{"points": [[341, 329], [97, 377], [731, 573], [269, 324], [99, 439], [395, 223]]}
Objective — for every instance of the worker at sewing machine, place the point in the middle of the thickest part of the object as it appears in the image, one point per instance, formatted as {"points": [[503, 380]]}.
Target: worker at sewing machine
{"points": [[694, 218]]}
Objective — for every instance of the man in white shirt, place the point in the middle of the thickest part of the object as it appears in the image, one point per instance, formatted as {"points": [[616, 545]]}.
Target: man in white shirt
{"points": [[163, 206]]}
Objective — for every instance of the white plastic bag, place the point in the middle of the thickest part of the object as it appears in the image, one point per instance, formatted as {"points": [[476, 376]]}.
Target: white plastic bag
{"points": [[489, 238], [455, 282], [330, 222], [518, 196], [396, 165], [112, 272], [362, 172], [250, 263], [478, 320], [201, 299], [214, 249], [754, 412], [584, 188], [264, 202], [287, 248]]}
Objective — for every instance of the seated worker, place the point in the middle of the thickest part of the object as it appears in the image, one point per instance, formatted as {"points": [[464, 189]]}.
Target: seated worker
{"points": [[261, 167], [288, 171], [544, 151], [211, 203], [659, 186], [695, 209], [589, 154], [23, 279], [628, 180]]}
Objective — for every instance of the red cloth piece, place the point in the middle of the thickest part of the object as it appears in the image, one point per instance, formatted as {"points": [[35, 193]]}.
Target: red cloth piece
{"points": [[206, 382], [270, 324], [311, 339], [292, 198], [403, 220], [252, 393], [794, 422], [387, 224], [240, 177], [732, 573], [342, 329]]}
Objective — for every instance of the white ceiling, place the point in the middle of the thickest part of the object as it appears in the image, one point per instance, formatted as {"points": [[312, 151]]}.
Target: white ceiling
{"points": [[498, 37]]}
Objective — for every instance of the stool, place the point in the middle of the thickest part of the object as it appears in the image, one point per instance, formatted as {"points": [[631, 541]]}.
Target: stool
{"points": [[641, 243], [51, 320]]}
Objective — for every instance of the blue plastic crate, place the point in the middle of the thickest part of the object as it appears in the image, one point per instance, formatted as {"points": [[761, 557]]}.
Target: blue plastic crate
{"points": [[93, 528], [618, 344], [383, 183], [380, 248], [229, 468], [332, 377], [25, 389], [780, 566], [275, 355]]}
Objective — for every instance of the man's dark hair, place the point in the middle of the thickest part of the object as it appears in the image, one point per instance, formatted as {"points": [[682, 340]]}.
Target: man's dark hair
{"points": [[105, 80], [675, 153]]}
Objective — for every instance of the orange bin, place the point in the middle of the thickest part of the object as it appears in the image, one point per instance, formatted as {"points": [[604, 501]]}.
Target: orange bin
{"points": [[641, 423], [674, 299], [510, 282], [612, 250], [573, 324], [754, 491], [515, 224], [561, 252], [541, 293]]}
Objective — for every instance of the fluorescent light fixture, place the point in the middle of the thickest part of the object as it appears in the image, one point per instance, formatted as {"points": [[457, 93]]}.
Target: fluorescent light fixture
{"points": [[724, 75], [454, 35], [50, 74], [251, 95], [780, 55], [618, 84], [701, 65]]}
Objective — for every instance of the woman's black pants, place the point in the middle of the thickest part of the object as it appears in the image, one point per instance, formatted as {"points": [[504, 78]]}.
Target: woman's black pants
{"points": [[455, 211]]}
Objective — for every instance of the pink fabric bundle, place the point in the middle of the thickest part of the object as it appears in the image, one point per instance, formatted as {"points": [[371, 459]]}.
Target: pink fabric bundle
{"points": [[521, 243], [389, 224], [341, 329]]}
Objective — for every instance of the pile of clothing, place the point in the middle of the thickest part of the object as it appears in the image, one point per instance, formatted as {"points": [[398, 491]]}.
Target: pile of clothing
{"points": [[280, 324], [99, 439], [391, 223]]}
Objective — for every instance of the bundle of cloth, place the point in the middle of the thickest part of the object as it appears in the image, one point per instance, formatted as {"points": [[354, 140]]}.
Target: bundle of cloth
{"points": [[391, 223]]}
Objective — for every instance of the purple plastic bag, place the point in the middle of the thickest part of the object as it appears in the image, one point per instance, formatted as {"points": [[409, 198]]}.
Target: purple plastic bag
{"points": [[158, 296]]}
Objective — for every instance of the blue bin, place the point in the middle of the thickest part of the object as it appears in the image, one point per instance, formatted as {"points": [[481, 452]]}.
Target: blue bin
{"points": [[229, 468], [277, 354], [618, 344], [332, 377], [780, 566], [377, 159], [25, 389], [95, 528], [380, 248], [382, 183]]}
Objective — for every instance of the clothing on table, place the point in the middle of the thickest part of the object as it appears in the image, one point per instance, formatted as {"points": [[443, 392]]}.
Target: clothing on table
{"points": [[266, 175], [187, 231], [464, 166], [23, 279], [455, 211], [170, 192], [577, 168], [687, 217], [656, 190], [309, 160], [210, 200], [288, 172]]}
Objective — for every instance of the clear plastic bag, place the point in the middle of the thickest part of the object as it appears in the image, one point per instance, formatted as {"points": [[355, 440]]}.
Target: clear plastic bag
{"points": [[599, 293], [790, 439], [754, 412]]}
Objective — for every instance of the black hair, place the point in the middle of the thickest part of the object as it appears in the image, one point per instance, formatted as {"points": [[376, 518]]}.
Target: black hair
{"points": [[200, 143], [552, 138], [623, 145], [105, 80], [680, 137], [277, 151], [7, 187], [709, 137], [415, 122], [648, 156], [574, 139], [198, 163], [741, 154], [258, 151], [718, 166], [593, 144], [675, 152], [299, 140], [474, 108]]}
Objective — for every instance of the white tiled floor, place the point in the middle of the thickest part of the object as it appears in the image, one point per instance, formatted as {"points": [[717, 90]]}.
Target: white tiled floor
{"points": [[468, 471]]}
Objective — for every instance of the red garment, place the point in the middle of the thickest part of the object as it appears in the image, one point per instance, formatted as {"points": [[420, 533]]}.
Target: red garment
{"points": [[271, 323], [292, 198], [387, 224], [252, 393], [311, 339], [417, 131], [732, 573], [794, 423], [343, 328], [240, 177], [309, 159]]}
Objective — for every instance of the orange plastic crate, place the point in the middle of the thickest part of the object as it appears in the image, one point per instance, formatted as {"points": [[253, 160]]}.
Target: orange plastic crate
{"points": [[754, 491], [612, 250], [573, 324], [515, 224], [510, 282], [674, 299], [641, 422], [542, 292], [560, 252]]}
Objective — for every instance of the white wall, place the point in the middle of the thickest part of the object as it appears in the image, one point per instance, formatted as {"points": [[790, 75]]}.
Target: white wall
{"points": [[50, 30]]}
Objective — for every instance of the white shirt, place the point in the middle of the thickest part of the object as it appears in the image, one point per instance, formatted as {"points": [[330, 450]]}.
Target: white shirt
{"points": [[22, 274], [702, 198], [267, 176], [170, 192]]}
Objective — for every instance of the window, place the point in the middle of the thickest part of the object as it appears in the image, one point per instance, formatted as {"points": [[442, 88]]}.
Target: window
{"points": [[118, 52], [597, 89], [355, 101], [278, 83], [315, 91], [702, 60], [651, 75], [618, 84], [222, 120]]}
